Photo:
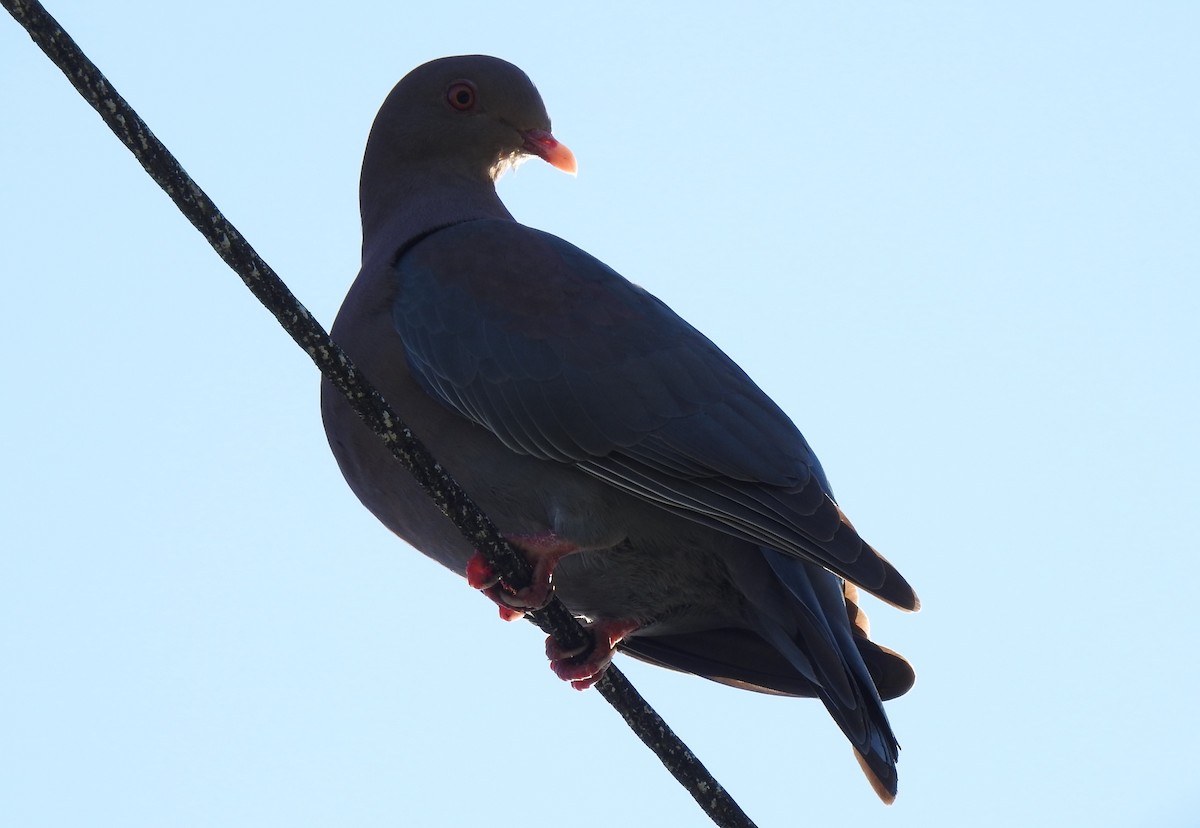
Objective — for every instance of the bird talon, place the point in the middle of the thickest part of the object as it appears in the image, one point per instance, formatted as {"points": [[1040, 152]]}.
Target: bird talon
{"points": [[544, 551], [480, 574], [509, 613], [557, 652], [583, 666]]}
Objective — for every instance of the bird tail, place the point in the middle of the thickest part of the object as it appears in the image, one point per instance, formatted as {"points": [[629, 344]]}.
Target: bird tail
{"points": [[824, 646]]}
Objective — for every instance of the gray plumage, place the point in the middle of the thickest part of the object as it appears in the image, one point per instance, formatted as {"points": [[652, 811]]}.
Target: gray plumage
{"points": [[572, 404]]}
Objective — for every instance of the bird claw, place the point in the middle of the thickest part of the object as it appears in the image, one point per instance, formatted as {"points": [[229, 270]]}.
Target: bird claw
{"points": [[544, 551], [585, 665], [513, 603], [480, 574]]}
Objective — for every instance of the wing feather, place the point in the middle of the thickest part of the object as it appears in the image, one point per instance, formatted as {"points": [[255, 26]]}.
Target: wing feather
{"points": [[565, 360]]}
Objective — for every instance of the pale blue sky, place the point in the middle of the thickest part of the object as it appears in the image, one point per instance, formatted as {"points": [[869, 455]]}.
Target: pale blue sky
{"points": [[959, 245]]}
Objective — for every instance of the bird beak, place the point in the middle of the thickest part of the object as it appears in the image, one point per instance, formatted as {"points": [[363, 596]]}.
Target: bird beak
{"points": [[545, 146]]}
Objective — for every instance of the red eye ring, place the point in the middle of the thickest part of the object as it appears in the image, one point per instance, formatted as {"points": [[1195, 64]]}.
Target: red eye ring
{"points": [[461, 95]]}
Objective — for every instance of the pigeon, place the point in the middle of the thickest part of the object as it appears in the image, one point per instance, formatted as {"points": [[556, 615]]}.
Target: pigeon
{"points": [[656, 490]]}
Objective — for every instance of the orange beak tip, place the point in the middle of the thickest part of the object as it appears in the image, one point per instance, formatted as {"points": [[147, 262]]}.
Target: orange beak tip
{"points": [[541, 143]]}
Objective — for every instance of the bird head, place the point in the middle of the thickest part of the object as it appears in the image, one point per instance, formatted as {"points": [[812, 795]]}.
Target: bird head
{"points": [[470, 115]]}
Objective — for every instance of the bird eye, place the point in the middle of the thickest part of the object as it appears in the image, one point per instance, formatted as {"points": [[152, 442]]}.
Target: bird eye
{"points": [[461, 95]]}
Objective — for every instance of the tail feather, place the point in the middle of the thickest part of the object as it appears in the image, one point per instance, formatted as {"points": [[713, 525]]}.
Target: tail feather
{"points": [[892, 674], [825, 635], [885, 790], [806, 636]]}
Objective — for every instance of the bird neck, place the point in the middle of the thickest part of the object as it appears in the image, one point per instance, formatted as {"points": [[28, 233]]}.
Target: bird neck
{"points": [[409, 202]]}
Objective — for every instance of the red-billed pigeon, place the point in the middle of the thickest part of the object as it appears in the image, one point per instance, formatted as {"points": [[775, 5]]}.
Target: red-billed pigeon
{"points": [[673, 506]]}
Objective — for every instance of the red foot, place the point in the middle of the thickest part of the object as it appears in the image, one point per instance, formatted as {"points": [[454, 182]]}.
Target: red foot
{"points": [[482, 577], [582, 666], [544, 551], [480, 574]]}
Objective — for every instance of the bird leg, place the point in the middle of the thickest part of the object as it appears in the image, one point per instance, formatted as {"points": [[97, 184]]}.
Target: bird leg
{"points": [[543, 550], [581, 666], [584, 666]]}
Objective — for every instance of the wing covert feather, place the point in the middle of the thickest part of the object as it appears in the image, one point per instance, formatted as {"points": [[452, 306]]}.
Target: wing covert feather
{"points": [[564, 359]]}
